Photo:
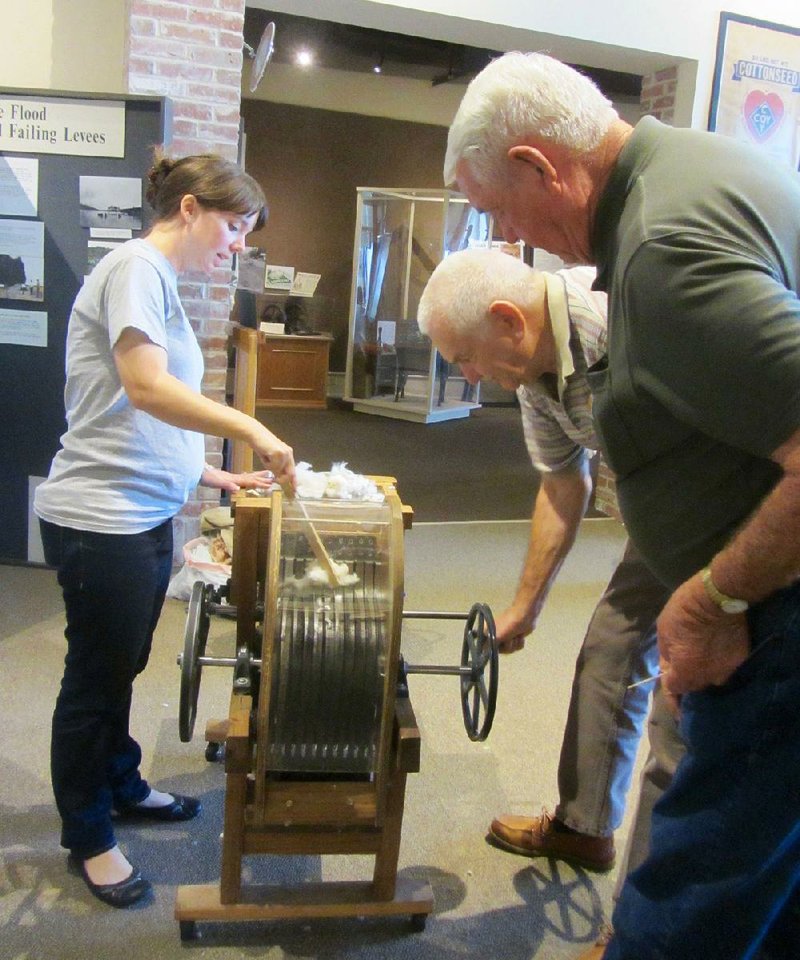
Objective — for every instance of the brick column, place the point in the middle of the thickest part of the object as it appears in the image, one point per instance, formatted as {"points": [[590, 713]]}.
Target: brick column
{"points": [[191, 52], [605, 490], [658, 100]]}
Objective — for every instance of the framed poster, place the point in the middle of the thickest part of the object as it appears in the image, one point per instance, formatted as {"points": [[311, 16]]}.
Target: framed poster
{"points": [[756, 91]]}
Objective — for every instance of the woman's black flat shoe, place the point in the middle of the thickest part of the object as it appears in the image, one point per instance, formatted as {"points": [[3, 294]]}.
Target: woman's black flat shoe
{"points": [[121, 894], [181, 808]]}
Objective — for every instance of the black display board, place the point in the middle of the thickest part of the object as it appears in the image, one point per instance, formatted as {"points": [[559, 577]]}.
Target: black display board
{"points": [[32, 377]]}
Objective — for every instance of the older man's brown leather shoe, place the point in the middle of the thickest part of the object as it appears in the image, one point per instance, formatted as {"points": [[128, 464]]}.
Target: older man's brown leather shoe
{"points": [[595, 952], [545, 836], [598, 949]]}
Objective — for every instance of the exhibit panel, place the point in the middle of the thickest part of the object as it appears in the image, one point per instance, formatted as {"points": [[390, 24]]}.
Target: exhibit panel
{"points": [[401, 235], [71, 188]]}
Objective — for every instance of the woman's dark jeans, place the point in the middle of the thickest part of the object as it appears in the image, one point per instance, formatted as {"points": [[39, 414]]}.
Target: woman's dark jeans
{"points": [[114, 588]]}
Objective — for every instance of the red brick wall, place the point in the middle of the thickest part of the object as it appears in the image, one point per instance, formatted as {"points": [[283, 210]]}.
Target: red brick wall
{"points": [[191, 52], [605, 491], [658, 100], [658, 94]]}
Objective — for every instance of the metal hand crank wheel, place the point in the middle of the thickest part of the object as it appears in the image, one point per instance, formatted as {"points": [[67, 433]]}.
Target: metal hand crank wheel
{"points": [[479, 654], [194, 647]]}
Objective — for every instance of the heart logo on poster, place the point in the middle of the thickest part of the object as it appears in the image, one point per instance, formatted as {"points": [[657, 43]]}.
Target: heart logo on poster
{"points": [[763, 113]]}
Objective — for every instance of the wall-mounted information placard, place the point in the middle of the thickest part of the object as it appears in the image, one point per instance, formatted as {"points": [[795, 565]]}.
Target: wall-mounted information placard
{"points": [[86, 128]]}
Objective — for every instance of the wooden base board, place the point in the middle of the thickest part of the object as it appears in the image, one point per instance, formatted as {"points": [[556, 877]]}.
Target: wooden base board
{"points": [[332, 899]]}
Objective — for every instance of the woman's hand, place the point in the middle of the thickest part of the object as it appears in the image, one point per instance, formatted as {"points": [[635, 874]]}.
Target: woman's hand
{"points": [[276, 455], [222, 480]]}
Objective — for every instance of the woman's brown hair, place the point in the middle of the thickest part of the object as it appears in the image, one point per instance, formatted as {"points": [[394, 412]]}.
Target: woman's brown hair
{"points": [[217, 183]]}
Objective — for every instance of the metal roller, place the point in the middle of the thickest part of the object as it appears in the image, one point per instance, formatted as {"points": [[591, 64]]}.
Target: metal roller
{"points": [[327, 659]]}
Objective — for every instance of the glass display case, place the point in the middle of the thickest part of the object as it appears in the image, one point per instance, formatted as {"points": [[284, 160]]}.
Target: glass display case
{"points": [[401, 235]]}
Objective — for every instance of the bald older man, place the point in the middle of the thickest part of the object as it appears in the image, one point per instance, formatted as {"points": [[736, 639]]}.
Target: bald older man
{"points": [[538, 333]]}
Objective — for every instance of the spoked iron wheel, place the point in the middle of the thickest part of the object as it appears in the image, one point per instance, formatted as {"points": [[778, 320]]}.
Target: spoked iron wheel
{"points": [[194, 647], [479, 681]]}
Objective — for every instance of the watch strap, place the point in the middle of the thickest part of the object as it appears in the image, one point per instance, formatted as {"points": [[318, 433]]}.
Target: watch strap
{"points": [[726, 603]]}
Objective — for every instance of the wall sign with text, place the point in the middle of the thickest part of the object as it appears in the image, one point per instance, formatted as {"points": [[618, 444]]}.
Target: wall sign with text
{"points": [[86, 128]]}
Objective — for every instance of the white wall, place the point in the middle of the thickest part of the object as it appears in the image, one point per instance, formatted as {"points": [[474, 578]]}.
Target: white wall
{"points": [[25, 53], [80, 44], [64, 45], [632, 35]]}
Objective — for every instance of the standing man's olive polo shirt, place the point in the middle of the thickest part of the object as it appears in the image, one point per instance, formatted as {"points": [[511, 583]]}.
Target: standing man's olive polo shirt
{"points": [[702, 380]]}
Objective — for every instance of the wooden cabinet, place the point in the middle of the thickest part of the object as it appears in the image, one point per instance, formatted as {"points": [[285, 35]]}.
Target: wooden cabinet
{"points": [[292, 370]]}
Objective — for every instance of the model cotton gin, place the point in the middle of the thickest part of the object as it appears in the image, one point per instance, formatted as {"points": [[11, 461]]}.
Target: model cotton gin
{"points": [[320, 734]]}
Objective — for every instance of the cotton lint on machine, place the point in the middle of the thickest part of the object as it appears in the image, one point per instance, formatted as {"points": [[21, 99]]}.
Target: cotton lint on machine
{"points": [[321, 733]]}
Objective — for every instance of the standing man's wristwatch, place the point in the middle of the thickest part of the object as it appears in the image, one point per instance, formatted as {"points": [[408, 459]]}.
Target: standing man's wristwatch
{"points": [[722, 600]]}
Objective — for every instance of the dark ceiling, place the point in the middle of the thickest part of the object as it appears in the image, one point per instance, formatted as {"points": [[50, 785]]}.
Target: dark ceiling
{"points": [[339, 46]]}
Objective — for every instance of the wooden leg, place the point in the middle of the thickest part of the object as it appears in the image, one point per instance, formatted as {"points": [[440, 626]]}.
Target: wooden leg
{"points": [[237, 765], [233, 838], [384, 877]]}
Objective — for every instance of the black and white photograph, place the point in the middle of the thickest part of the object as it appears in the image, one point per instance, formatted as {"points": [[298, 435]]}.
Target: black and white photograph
{"points": [[111, 202], [252, 269], [21, 260], [97, 249]]}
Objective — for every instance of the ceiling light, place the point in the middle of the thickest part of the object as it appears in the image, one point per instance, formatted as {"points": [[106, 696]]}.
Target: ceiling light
{"points": [[304, 58]]}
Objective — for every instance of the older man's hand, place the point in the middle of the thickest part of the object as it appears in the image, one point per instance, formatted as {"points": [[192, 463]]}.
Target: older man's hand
{"points": [[699, 645], [512, 628]]}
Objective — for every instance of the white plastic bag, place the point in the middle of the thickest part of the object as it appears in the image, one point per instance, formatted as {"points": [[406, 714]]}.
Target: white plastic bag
{"points": [[198, 565]]}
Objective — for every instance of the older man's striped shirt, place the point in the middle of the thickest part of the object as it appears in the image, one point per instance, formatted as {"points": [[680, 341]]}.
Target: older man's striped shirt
{"points": [[559, 431]]}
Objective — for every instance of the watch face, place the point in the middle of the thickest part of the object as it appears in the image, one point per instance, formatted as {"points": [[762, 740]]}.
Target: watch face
{"points": [[734, 606]]}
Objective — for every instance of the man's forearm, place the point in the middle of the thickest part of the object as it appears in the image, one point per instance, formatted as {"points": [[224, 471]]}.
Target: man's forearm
{"points": [[558, 509], [765, 554], [700, 644]]}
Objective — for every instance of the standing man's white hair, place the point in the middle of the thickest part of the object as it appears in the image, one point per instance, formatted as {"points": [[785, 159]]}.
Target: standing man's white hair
{"points": [[464, 285], [517, 97]]}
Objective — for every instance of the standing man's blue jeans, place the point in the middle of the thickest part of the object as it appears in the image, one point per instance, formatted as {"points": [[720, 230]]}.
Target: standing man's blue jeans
{"points": [[114, 588], [724, 867]]}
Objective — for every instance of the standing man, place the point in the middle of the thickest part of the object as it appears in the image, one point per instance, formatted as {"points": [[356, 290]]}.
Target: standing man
{"points": [[538, 333], [697, 407]]}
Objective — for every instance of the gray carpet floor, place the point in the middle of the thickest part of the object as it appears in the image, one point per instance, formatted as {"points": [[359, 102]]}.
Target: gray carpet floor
{"points": [[489, 904]]}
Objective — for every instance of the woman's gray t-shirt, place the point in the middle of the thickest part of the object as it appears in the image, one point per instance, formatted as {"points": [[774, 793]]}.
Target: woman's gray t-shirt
{"points": [[119, 469]]}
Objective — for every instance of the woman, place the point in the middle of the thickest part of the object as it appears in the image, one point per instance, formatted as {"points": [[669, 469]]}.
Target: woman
{"points": [[132, 453]]}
